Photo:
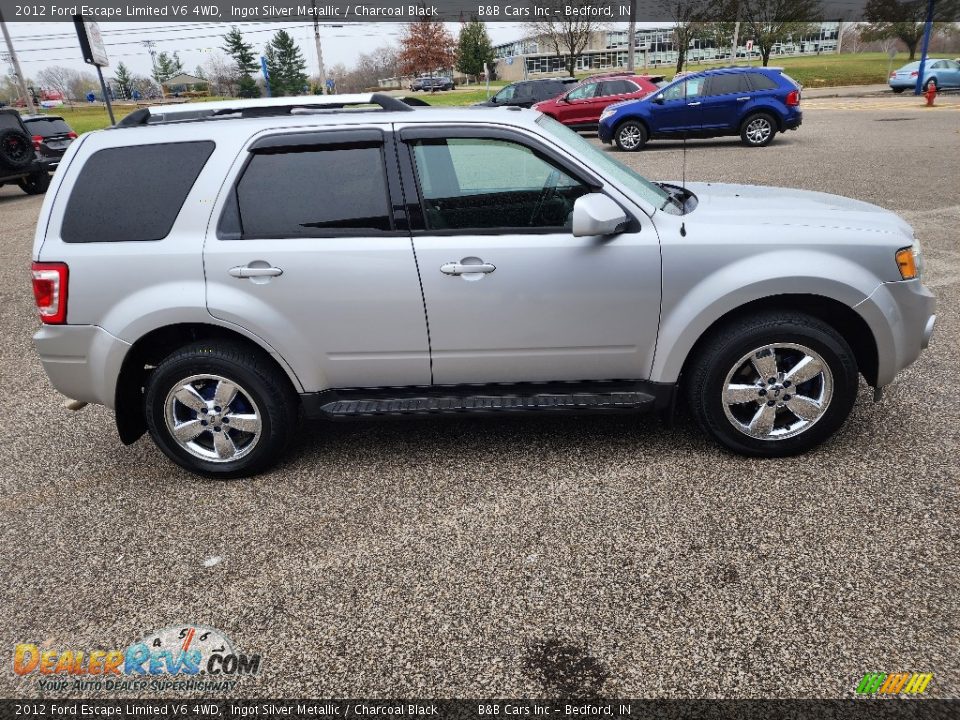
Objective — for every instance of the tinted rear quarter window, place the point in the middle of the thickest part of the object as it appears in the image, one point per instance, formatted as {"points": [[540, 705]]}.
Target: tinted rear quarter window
{"points": [[134, 193], [759, 81], [314, 193], [8, 121]]}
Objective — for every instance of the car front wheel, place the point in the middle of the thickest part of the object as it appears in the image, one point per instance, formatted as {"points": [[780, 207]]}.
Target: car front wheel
{"points": [[758, 130], [219, 410], [630, 136], [772, 385]]}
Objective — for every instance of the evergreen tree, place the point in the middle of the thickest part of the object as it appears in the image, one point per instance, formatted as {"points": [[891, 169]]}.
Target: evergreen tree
{"points": [[241, 52], [474, 48], [124, 80], [247, 87], [165, 67], [286, 65]]}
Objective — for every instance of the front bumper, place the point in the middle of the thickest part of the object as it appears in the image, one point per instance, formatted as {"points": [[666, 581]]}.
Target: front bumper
{"points": [[902, 317], [605, 132], [82, 361]]}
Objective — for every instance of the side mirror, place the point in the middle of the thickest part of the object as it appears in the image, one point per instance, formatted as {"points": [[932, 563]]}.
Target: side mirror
{"points": [[596, 214], [658, 99]]}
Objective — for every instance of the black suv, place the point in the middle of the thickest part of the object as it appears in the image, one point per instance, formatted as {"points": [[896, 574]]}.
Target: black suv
{"points": [[18, 160], [433, 83], [527, 92], [51, 137]]}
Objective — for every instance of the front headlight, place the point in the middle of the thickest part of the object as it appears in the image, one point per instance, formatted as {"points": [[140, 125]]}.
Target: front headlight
{"points": [[910, 261], [609, 112]]}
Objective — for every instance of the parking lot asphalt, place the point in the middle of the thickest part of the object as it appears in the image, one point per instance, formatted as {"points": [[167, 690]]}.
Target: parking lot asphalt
{"points": [[524, 556]]}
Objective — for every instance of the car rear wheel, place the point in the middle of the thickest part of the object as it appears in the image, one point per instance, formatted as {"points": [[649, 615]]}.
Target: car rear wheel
{"points": [[772, 385], [630, 136], [898, 90], [758, 130], [219, 410], [35, 184]]}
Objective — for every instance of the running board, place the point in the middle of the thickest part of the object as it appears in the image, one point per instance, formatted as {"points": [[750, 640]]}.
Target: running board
{"points": [[450, 404]]}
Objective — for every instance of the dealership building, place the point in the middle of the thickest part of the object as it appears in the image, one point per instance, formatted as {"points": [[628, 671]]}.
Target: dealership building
{"points": [[654, 47]]}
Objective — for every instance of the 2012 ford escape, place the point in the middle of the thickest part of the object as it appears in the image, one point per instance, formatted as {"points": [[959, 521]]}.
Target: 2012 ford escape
{"points": [[351, 256]]}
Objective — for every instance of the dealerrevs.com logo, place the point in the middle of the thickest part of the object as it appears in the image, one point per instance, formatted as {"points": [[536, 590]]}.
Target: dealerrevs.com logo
{"points": [[902, 683], [188, 657]]}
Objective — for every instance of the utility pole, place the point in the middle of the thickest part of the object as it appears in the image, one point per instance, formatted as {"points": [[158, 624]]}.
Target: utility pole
{"points": [[150, 45], [316, 38], [21, 83], [928, 27], [736, 41], [631, 31]]}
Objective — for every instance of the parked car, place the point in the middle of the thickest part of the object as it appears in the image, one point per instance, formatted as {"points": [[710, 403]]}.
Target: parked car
{"points": [[939, 73], [552, 277], [51, 136], [429, 84], [755, 103], [527, 92], [581, 106], [18, 159]]}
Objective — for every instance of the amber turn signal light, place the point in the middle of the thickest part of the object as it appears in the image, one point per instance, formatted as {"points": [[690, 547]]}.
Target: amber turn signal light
{"points": [[907, 263]]}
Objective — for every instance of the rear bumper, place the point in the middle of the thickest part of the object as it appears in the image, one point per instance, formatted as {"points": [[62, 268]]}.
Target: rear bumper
{"points": [[794, 121], [82, 361]]}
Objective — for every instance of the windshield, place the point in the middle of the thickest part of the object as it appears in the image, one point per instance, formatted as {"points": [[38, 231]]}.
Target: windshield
{"points": [[595, 157]]}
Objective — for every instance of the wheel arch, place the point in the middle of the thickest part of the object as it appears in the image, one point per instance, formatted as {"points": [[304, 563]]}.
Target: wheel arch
{"points": [[151, 348], [639, 119], [839, 315]]}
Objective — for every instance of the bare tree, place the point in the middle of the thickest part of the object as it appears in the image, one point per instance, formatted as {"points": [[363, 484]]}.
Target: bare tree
{"points": [[221, 73], [851, 41], [59, 79], [689, 18], [567, 27], [771, 22]]}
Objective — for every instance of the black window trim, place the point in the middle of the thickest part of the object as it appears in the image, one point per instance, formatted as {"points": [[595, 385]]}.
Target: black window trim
{"points": [[230, 222], [431, 132]]}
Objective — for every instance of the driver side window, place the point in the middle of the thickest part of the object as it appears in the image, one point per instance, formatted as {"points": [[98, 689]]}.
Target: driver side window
{"points": [[481, 183], [687, 89], [583, 92]]}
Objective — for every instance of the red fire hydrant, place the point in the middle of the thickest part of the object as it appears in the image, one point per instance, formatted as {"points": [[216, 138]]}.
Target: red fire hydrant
{"points": [[930, 94]]}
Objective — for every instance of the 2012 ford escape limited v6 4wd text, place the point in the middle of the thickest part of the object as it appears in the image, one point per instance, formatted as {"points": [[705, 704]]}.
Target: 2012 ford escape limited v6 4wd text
{"points": [[350, 256]]}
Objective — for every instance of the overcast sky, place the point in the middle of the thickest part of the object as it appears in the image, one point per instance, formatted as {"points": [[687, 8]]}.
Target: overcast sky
{"points": [[39, 45]]}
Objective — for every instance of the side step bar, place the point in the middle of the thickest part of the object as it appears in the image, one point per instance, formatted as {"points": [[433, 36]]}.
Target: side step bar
{"points": [[367, 407]]}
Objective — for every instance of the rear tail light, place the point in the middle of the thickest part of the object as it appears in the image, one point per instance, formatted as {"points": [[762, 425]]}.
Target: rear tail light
{"points": [[893, 74], [915, 73], [37, 139], [793, 98], [72, 135], [50, 291]]}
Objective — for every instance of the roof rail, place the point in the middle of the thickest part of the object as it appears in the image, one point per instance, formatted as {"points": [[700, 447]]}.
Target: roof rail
{"points": [[256, 107]]}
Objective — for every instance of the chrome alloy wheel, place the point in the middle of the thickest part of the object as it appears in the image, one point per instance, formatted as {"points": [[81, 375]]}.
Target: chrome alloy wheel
{"points": [[759, 130], [212, 418], [630, 137], [777, 391]]}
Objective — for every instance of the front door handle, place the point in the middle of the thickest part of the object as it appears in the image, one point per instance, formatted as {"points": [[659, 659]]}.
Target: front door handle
{"points": [[454, 268], [743, 99], [693, 104], [255, 272]]}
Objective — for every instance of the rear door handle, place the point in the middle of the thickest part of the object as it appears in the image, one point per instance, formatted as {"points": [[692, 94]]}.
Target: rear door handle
{"points": [[254, 272], [743, 99], [454, 268], [692, 104]]}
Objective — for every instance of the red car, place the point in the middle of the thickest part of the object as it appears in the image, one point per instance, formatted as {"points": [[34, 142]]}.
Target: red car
{"points": [[581, 106]]}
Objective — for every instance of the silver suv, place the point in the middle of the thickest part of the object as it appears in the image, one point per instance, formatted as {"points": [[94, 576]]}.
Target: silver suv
{"points": [[213, 273]]}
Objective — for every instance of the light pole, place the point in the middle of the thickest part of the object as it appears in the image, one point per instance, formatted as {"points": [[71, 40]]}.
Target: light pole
{"points": [[631, 31], [21, 85]]}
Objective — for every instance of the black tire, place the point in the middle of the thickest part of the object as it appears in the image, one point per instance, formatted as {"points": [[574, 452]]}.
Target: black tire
{"points": [[264, 392], [766, 128], [35, 184], [898, 90], [16, 149], [721, 354], [928, 83], [630, 136]]}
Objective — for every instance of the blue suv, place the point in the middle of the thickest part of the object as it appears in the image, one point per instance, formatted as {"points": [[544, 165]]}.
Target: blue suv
{"points": [[754, 103]]}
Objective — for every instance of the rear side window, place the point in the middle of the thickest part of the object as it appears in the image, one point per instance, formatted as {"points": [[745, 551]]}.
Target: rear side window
{"points": [[132, 194], [314, 193], [759, 81], [728, 84], [47, 128], [618, 87]]}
